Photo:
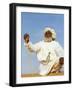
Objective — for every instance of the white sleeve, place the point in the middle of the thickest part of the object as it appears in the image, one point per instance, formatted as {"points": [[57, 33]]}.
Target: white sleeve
{"points": [[32, 47], [59, 50]]}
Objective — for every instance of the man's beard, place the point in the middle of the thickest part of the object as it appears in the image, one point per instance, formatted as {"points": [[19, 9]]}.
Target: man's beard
{"points": [[47, 39]]}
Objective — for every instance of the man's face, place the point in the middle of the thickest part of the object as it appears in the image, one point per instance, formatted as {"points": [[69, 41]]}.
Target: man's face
{"points": [[48, 36]]}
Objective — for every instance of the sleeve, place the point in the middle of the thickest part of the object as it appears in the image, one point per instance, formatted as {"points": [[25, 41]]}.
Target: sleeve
{"points": [[32, 47], [59, 50]]}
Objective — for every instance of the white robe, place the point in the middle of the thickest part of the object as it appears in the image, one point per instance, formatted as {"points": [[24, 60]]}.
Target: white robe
{"points": [[42, 50]]}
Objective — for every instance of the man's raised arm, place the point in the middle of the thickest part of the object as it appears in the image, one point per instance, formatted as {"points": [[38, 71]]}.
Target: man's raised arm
{"points": [[31, 47]]}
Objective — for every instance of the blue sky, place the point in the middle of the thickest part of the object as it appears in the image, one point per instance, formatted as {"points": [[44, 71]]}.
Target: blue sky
{"points": [[34, 23]]}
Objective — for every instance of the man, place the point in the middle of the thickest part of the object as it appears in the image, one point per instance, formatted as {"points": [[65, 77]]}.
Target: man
{"points": [[49, 52]]}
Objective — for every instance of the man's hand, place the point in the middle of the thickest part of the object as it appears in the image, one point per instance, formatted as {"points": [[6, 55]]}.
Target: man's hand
{"points": [[26, 38]]}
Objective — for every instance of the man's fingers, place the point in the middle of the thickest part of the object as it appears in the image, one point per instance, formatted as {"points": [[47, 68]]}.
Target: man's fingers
{"points": [[26, 35]]}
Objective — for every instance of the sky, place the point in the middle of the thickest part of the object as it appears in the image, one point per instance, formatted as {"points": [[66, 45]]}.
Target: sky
{"points": [[34, 24]]}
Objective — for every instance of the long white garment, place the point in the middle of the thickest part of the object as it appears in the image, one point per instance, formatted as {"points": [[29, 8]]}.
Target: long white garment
{"points": [[42, 50]]}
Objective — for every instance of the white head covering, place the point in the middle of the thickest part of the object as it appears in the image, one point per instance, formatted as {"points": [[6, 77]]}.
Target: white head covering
{"points": [[52, 31]]}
